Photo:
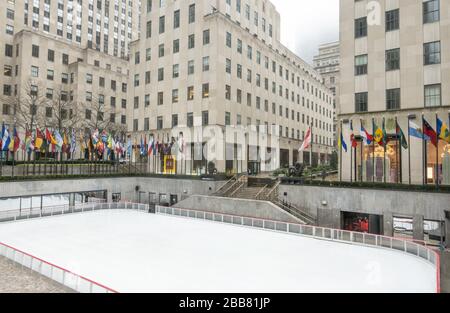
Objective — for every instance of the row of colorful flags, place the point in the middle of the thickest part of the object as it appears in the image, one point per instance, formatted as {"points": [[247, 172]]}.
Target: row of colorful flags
{"points": [[42, 140], [380, 136], [154, 147]]}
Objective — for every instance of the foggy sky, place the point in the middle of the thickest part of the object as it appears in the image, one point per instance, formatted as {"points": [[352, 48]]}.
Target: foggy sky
{"points": [[306, 24]]}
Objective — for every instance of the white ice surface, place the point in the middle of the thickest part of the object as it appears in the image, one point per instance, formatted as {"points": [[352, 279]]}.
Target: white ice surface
{"points": [[131, 251]]}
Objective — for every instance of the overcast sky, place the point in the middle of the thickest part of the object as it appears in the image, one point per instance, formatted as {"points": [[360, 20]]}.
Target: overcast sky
{"points": [[306, 24]]}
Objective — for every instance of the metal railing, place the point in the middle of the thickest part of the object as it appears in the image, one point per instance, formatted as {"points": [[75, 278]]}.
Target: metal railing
{"points": [[405, 246], [14, 215], [57, 273], [82, 284]]}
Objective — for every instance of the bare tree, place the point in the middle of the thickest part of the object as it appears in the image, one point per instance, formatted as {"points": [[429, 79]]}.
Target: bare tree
{"points": [[63, 113], [28, 105], [97, 115]]}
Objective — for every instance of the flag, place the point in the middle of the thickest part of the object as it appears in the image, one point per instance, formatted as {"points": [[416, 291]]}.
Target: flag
{"points": [[95, 137], [378, 134], [49, 137], [59, 141], [416, 131], [368, 138], [352, 136], [443, 131], [142, 146], [151, 145], [5, 138], [14, 144], [341, 142], [429, 131], [29, 144], [65, 145], [306, 142], [39, 140], [401, 136], [73, 142]]}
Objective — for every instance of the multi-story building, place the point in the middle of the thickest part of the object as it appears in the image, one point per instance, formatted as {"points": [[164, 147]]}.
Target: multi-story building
{"points": [[395, 66], [210, 63], [89, 86], [69, 58], [104, 25], [326, 63]]}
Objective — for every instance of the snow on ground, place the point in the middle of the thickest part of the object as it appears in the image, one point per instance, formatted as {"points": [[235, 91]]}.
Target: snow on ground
{"points": [[131, 251]]}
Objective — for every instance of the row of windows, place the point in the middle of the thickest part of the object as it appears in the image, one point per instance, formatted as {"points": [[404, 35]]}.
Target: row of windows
{"points": [[256, 19], [432, 98], [431, 55], [282, 72], [259, 127], [206, 92], [430, 13]]}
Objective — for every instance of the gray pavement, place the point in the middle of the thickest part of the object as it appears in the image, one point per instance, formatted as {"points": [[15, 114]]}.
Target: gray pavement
{"points": [[17, 279]]}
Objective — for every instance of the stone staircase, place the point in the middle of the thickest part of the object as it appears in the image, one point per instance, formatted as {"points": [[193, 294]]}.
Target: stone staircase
{"points": [[263, 189]]}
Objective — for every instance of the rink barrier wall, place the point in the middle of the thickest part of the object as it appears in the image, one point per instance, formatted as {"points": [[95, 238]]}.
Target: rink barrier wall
{"points": [[55, 272], [83, 284], [370, 240]]}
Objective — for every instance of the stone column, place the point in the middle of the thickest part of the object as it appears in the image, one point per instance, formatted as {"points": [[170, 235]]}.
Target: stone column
{"points": [[388, 224], [418, 227]]}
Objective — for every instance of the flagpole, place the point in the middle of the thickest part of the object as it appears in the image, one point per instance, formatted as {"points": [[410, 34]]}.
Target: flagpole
{"points": [[437, 152], [424, 156], [384, 144], [311, 152], [351, 154], [362, 146], [373, 150], [409, 150], [340, 155]]}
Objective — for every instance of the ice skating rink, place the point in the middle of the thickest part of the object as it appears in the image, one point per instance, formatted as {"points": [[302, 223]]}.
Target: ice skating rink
{"points": [[131, 251]]}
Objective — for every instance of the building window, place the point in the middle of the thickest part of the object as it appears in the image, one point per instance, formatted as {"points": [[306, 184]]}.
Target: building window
{"points": [[176, 19], [176, 46], [361, 102], [159, 122], [205, 91], [174, 120], [433, 95], [160, 98], [8, 50], [361, 27], [190, 93], [190, 120], [392, 59], [431, 12], [65, 59], [191, 13], [35, 51], [227, 118], [392, 20], [432, 53], [205, 64], [205, 118], [393, 99], [175, 96], [361, 65], [228, 40], [50, 74], [191, 41], [206, 37]]}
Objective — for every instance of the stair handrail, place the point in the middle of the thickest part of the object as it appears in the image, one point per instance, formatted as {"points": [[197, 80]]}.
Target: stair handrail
{"points": [[260, 192], [275, 187], [235, 177], [242, 184]]}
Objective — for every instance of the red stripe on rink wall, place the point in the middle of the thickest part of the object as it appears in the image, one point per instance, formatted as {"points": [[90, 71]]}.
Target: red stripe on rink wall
{"points": [[59, 267]]}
